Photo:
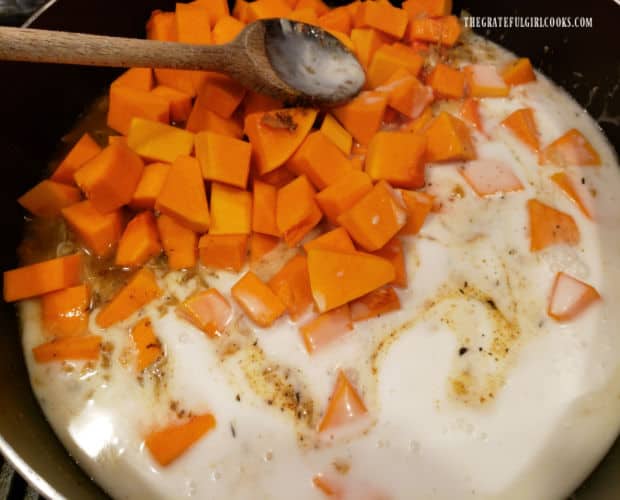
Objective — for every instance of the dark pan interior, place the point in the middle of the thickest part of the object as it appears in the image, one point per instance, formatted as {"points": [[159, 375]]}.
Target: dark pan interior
{"points": [[41, 102]]}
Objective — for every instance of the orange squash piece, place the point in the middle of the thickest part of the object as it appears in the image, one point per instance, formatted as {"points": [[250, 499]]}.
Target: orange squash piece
{"points": [[117, 139], [339, 277], [150, 185], [275, 135], [427, 8], [158, 141], [202, 119], [522, 124], [223, 251], [306, 15], [110, 178], [226, 30], [186, 81], [337, 134], [183, 195], [344, 407], [264, 9], [549, 226], [148, 347], [518, 72], [261, 245], [390, 58], [382, 16], [84, 149], [570, 297], [292, 285], [443, 30], [279, 177], [362, 115], [317, 5], [448, 139], [365, 43], [139, 242], [257, 300], [296, 211], [193, 23], [406, 94], [127, 103], [571, 189], [420, 124], [179, 242], [375, 218], [338, 19], [180, 102], [65, 312], [223, 158], [99, 232], [393, 251], [337, 240], [231, 210], [326, 328], [470, 112], [488, 177], [140, 290], [376, 303], [48, 198], [336, 199], [241, 11], [217, 9], [208, 310], [418, 205], [220, 94], [44, 277], [483, 80], [398, 158], [572, 148], [169, 443], [253, 102], [447, 82], [264, 209], [320, 160], [162, 26], [81, 348], [136, 78]]}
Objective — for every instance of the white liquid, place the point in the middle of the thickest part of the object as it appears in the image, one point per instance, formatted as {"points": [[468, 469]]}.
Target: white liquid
{"points": [[527, 422]]}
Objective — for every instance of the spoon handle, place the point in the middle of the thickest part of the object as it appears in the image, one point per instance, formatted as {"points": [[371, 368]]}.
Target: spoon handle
{"points": [[33, 45]]}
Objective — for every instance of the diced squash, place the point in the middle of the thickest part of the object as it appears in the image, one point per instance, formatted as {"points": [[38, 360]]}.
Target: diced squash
{"points": [[320, 160], [306, 15], [366, 42], [406, 94], [418, 205], [488, 177], [376, 217], [338, 19], [179, 242], [275, 135], [336, 199], [208, 310], [140, 290], [362, 115], [139, 242], [443, 30], [217, 10], [376, 303], [518, 72], [136, 78], [292, 285], [483, 80], [427, 8], [577, 193], [388, 59], [326, 328], [337, 134], [117, 139], [549, 226], [169, 443], [48, 198], [162, 26], [241, 11], [226, 30], [570, 297], [231, 210], [296, 210], [220, 94], [382, 16], [261, 245], [223, 158], [398, 158], [339, 277], [345, 404], [522, 124], [150, 185], [186, 81], [183, 195], [317, 5], [572, 148], [159, 142], [99, 232], [193, 23], [279, 177], [264, 9], [180, 102], [337, 240], [85, 149], [393, 251], [470, 112], [148, 347], [253, 102], [447, 82], [223, 251], [81, 348], [420, 124], [264, 208], [257, 300], [65, 312], [203, 120], [447, 139], [110, 178], [127, 103]]}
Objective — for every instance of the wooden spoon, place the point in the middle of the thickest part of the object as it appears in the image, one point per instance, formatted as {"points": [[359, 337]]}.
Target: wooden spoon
{"points": [[291, 61]]}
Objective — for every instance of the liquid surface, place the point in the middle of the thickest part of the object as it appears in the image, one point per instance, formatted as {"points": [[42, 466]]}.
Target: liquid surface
{"points": [[473, 391]]}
